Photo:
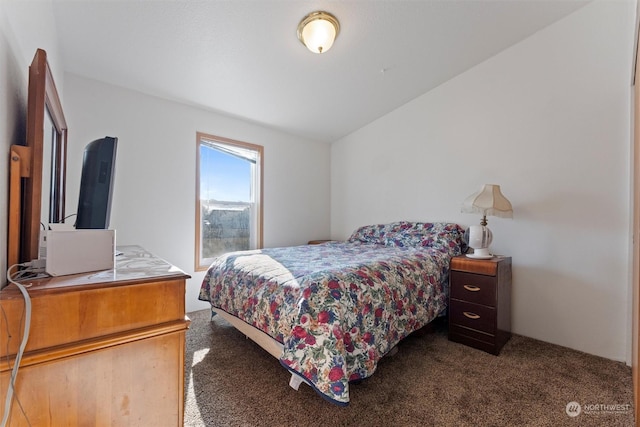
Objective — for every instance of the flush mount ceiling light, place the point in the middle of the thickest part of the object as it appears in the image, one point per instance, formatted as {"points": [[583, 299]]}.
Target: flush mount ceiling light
{"points": [[318, 30]]}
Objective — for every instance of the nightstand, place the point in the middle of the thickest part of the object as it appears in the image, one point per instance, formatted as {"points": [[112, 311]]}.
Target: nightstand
{"points": [[480, 302]]}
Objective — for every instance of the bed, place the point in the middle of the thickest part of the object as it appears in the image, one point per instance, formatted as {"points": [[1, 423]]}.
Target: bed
{"points": [[330, 312]]}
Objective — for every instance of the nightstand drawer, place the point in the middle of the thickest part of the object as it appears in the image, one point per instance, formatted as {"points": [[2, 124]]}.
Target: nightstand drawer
{"points": [[474, 316], [474, 288], [474, 339]]}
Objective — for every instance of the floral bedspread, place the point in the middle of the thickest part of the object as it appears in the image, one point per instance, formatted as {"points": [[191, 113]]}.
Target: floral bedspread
{"points": [[338, 307]]}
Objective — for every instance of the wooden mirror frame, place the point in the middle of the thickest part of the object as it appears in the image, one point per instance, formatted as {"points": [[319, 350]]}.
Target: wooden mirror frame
{"points": [[26, 165]]}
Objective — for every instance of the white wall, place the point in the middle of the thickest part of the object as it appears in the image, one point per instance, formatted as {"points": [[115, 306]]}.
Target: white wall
{"points": [[548, 120], [24, 27], [154, 192]]}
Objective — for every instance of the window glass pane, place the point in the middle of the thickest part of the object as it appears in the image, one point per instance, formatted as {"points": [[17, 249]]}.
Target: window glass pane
{"points": [[223, 176], [229, 201]]}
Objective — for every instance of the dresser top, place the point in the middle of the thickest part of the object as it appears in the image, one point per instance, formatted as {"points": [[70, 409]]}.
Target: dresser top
{"points": [[132, 264]]}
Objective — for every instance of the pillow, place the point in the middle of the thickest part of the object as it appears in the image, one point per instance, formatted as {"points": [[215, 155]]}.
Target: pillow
{"points": [[445, 237]]}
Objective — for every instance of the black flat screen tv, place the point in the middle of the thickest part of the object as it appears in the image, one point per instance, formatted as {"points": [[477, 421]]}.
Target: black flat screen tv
{"points": [[96, 184]]}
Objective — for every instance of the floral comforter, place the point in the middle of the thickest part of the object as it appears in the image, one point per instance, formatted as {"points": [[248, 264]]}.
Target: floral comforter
{"points": [[338, 307]]}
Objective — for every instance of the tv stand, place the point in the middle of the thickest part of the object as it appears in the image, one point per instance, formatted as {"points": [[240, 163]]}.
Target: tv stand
{"points": [[105, 348]]}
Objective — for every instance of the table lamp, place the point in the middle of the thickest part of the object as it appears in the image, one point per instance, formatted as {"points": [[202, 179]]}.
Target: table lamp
{"points": [[489, 201]]}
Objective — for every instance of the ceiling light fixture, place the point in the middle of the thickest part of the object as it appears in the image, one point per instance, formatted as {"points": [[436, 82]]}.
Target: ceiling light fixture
{"points": [[318, 30]]}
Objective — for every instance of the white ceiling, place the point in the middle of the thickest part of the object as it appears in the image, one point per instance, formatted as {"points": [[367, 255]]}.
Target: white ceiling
{"points": [[242, 57]]}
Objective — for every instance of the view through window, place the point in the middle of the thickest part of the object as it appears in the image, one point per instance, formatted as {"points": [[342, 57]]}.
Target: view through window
{"points": [[229, 208]]}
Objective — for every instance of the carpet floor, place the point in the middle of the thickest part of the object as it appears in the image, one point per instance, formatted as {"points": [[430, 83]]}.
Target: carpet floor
{"points": [[430, 381]]}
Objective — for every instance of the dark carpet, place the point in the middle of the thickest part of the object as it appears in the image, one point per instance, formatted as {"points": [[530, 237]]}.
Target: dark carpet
{"points": [[231, 381]]}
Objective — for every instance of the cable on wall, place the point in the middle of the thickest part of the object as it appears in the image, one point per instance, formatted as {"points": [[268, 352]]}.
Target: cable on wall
{"points": [[25, 337]]}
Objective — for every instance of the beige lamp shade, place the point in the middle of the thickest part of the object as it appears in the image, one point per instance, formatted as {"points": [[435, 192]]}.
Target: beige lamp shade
{"points": [[489, 201]]}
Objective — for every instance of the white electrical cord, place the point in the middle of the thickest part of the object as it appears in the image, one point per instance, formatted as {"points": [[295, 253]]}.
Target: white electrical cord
{"points": [[25, 337]]}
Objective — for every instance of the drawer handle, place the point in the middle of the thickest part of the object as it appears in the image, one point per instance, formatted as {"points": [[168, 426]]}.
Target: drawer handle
{"points": [[471, 288], [470, 315]]}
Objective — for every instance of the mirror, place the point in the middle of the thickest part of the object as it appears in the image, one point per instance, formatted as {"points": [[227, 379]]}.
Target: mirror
{"points": [[47, 162], [55, 171], [38, 171]]}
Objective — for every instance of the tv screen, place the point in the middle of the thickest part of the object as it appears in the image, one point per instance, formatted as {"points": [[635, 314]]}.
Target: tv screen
{"points": [[96, 184]]}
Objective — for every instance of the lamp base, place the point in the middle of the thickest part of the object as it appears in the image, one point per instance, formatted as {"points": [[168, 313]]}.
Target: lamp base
{"points": [[480, 253], [476, 256], [479, 238]]}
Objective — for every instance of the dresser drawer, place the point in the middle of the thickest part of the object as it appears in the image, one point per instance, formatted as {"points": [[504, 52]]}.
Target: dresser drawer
{"points": [[474, 316], [475, 288]]}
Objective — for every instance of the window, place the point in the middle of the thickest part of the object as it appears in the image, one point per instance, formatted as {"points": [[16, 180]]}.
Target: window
{"points": [[228, 197]]}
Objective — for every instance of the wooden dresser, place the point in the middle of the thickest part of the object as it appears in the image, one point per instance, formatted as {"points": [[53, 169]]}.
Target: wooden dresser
{"points": [[480, 302], [105, 348]]}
